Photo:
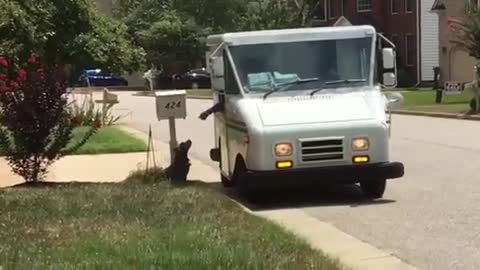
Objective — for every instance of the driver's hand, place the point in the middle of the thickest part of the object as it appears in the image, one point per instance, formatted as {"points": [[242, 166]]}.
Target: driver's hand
{"points": [[203, 116]]}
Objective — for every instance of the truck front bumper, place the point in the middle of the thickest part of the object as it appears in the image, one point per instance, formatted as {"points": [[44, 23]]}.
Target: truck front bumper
{"points": [[326, 175]]}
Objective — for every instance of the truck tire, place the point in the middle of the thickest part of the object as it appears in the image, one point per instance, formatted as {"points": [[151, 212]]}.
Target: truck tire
{"points": [[242, 183], [227, 183], [374, 189]]}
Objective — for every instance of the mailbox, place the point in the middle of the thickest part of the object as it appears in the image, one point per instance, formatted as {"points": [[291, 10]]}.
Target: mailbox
{"points": [[171, 104], [108, 98]]}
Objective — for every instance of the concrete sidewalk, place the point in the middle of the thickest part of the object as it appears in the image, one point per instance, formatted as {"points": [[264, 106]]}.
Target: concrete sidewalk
{"points": [[108, 167], [84, 168]]}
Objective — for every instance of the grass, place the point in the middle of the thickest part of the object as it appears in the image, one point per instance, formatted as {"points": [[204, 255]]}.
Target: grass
{"points": [[142, 226], [425, 101], [107, 140]]}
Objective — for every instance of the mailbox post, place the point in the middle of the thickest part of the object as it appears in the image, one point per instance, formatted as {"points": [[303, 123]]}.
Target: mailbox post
{"points": [[107, 101], [171, 105]]}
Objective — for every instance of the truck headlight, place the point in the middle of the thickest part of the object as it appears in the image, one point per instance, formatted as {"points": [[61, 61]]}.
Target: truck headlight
{"points": [[283, 149], [360, 144]]}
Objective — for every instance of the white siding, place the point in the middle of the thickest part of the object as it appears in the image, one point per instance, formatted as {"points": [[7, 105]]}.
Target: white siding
{"points": [[429, 40]]}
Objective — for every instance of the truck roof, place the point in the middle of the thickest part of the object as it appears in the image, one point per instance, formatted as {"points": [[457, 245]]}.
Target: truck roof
{"points": [[292, 35]]}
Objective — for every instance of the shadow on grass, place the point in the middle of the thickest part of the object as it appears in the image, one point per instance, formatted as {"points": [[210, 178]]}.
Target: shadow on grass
{"points": [[298, 197], [275, 199], [48, 184]]}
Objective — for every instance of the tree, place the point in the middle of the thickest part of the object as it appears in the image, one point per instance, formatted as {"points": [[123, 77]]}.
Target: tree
{"points": [[173, 39], [468, 31], [69, 33], [173, 32], [276, 14], [35, 119], [468, 38]]}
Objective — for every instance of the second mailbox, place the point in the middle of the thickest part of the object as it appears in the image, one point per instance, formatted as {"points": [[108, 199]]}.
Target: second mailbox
{"points": [[171, 104]]}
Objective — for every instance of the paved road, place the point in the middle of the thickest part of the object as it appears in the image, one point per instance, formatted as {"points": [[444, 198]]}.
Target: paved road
{"points": [[430, 218]]}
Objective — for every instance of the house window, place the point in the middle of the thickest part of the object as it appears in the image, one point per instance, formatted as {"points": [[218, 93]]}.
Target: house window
{"points": [[364, 5], [395, 6], [408, 6], [331, 9], [320, 11], [410, 49]]}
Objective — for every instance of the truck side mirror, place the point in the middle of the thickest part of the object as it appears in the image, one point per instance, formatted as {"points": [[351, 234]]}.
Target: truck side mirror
{"points": [[388, 58], [389, 65], [217, 73], [394, 100]]}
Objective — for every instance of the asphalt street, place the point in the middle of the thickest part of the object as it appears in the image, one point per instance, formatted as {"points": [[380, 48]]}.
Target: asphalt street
{"points": [[429, 218]]}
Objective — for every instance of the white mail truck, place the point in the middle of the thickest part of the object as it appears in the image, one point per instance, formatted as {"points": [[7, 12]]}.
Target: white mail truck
{"points": [[301, 106]]}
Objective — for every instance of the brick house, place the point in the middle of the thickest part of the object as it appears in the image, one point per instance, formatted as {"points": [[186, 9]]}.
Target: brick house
{"points": [[455, 63], [401, 21]]}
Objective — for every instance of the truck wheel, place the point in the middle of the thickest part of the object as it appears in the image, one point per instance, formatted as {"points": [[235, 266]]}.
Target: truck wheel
{"points": [[227, 183], [243, 184], [374, 189]]}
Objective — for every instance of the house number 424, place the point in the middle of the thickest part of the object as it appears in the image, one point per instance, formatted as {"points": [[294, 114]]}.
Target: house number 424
{"points": [[173, 105]]}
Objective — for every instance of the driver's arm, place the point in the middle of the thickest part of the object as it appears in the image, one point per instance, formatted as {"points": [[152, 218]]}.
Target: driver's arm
{"points": [[214, 109]]}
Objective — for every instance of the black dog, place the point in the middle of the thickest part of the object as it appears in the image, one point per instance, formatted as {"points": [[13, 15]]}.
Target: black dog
{"points": [[179, 168]]}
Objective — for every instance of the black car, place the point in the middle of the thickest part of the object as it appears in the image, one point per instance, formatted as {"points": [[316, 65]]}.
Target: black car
{"points": [[192, 79]]}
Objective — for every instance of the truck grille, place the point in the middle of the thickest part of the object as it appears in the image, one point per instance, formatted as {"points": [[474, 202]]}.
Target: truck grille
{"points": [[322, 150]]}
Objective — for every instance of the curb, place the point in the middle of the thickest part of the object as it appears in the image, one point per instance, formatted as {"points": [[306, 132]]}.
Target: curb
{"points": [[440, 115], [322, 236]]}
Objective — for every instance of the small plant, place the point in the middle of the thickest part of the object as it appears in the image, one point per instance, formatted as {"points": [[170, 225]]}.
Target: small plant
{"points": [[86, 113], [36, 121]]}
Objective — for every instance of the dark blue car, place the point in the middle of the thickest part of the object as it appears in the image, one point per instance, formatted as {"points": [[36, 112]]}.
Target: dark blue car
{"points": [[99, 78]]}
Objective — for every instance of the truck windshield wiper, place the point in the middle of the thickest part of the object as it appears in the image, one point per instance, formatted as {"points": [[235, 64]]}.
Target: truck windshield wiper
{"points": [[337, 82], [316, 91], [345, 81], [284, 86]]}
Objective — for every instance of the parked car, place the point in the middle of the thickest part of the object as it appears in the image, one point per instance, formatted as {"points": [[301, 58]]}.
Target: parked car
{"points": [[97, 77], [192, 79]]}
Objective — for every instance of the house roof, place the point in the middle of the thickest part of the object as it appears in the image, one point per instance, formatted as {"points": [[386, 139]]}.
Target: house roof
{"points": [[364, 19], [342, 21]]}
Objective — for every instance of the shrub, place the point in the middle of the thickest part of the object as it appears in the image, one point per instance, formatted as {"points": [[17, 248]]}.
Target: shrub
{"points": [[35, 120], [86, 113]]}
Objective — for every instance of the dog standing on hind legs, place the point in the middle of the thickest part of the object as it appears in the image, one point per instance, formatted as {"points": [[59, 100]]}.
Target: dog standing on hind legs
{"points": [[180, 165]]}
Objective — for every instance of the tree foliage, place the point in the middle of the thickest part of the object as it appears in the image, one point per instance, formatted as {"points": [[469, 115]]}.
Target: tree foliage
{"points": [[175, 30], [468, 31], [68, 33], [35, 119]]}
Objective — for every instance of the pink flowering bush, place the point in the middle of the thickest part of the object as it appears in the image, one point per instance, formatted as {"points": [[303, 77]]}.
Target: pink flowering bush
{"points": [[36, 122]]}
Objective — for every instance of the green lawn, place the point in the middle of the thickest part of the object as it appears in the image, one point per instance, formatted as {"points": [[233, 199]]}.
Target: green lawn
{"points": [[107, 140], [142, 226], [425, 101]]}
